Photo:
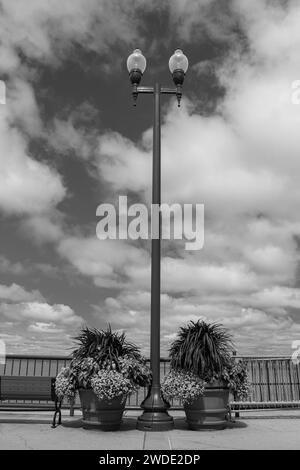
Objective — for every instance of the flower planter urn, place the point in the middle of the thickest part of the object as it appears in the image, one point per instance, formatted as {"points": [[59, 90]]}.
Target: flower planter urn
{"points": [[210, 410], [102, 414]]}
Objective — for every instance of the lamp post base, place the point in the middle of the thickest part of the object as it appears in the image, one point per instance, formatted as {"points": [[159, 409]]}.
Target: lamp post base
{"points": [[155, 416], [155, 421]]}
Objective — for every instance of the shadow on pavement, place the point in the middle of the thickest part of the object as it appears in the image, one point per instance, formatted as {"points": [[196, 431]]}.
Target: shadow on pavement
{"points": [[25, 421], [128, 424], [181, 424]]}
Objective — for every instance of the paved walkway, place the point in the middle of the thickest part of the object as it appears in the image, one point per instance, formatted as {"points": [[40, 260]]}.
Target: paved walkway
{"points": [[254, 430]]}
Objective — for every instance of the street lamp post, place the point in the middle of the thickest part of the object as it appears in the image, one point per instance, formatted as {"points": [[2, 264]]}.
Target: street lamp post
{"points": [[155, 416]]}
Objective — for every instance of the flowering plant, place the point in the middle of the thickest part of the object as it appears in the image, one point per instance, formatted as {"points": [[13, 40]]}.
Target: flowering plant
{"points": [[64, 385], [109, 384], [202, 354], [235, 375], [182, 385], [104, 362], [135, 370]]}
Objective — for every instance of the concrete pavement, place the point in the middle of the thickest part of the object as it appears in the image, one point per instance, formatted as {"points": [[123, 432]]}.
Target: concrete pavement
{"points": [[256, 430]]}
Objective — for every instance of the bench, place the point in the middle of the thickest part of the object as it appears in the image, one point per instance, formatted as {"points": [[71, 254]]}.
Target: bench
{"points": [[31, 388]]}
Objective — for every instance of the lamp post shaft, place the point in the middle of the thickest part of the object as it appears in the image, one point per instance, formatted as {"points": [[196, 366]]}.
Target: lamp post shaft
{"points": [[155, 416], [156, 245]]}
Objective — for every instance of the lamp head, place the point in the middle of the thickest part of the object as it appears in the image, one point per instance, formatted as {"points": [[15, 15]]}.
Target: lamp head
{"points": [[136, 65], [178, 65]]}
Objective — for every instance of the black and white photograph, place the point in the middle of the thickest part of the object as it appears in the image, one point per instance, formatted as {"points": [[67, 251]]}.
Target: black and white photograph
{"points": [[149, 230]]}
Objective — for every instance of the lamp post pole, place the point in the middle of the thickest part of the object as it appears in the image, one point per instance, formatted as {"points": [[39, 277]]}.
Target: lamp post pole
{"points": [[155, 416], [156, 247]]}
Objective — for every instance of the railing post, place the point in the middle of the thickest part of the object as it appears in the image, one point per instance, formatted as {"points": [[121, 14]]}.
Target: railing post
{"points": [[72, 402]]}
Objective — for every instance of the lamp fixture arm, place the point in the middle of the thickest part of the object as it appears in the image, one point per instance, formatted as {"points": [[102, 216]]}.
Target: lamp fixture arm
{"points": [[136, 90]]}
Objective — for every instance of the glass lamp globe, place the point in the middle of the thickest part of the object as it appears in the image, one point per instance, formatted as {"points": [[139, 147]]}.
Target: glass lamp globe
{"points": [[136, 61], [178, 61]]}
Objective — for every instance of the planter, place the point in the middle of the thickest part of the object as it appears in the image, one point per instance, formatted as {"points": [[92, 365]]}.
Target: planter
{"points": [[210, 410], [102, 414]]}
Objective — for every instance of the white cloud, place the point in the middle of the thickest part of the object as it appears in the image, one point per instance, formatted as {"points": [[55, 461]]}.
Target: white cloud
{"points": [[217, 171], [21, 106], [40, 312], [198, 19], [7, 266], [44, 228], [278, 296], [65, 138], [16, 293], [123, 164], [48, 30], [187, 275], [106, 261], [10, 338], [26, 185], [254, 330], [36, 327], [40, 327]]}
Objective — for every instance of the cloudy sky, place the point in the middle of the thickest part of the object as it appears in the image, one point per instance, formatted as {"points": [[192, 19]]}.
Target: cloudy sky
{"points": [[70, 140]]}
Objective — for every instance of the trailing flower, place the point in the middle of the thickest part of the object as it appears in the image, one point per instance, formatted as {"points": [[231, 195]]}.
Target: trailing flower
{"points": [[64, 385], [182, 385], [110, 384]]}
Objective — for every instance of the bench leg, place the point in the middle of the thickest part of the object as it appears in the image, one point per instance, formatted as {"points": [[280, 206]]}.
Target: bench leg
{"points": [[229, 415], [57, 412]]}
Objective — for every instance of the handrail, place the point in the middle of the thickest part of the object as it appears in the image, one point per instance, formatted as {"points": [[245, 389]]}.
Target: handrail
{"points": [[162, 359], [37, 357]]}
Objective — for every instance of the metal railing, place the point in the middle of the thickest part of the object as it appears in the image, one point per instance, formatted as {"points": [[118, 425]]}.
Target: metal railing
{"points": [[275, 380]]}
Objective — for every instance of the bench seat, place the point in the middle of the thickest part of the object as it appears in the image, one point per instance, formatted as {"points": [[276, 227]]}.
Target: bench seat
{"points": [[31, 388]]}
